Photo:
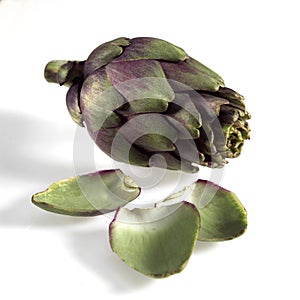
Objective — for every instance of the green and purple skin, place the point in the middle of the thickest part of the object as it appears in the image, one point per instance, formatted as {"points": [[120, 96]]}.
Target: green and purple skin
{"points": [[158, 241], [152, 98], [88, 195], [100, 98]]}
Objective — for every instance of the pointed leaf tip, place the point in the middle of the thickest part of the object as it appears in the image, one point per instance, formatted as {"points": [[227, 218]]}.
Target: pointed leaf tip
{"points": [[152, 48], [88, 195], [104, 54]]}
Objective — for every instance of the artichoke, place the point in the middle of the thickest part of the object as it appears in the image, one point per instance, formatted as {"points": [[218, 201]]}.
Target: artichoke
{"points": [[145, 102]]}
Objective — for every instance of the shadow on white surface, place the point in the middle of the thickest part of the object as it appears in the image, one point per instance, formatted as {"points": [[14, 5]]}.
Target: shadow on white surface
{"points": [[27, 165], [92, 249], [22, 213], [27, 152], [27, 161], [202, 247]]}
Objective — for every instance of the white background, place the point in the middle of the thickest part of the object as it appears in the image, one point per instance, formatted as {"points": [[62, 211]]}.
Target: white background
{"points": [[254, 45]]}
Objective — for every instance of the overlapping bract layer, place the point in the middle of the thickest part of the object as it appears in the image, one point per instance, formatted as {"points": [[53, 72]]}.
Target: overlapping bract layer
{"points": [[144, 96]]}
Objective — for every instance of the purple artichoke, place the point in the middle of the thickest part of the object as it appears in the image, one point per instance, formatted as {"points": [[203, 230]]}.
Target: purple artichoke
{"points": [[144, 101]]}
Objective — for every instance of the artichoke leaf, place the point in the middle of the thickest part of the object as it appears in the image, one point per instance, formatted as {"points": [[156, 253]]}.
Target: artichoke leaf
{"points": [[152, 48], [141, 79], [152, 132], [114, 144], [72, 101], [142, 106], [88, 195], [184, 117], [192, 74], [187, 150], [157, 242], [98, 101], [229, 94], [104, 54], [172, 161], [223, 217]]}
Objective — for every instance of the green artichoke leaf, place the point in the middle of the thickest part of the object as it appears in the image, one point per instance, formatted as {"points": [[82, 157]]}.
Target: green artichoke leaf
{"points": [[88, 195], [187, 150], [114, 144], [214, 103], [152, 48], [193, 74], [235, 100], [157, 242], [185, 114], [98, 100], [210, 138], [104, 54], [229, 94], [223, 217], [140, 82], [172, 161], [142, 106], [229, 115], [152, 132], [154, 142], [72, 101]]}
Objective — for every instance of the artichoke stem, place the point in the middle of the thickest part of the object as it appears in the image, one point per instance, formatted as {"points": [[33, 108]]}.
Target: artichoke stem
{"points": [[64, 72]]}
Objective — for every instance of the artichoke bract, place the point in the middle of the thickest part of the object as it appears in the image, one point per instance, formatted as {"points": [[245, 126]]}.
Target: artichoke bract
{"points": [[145, 102]]}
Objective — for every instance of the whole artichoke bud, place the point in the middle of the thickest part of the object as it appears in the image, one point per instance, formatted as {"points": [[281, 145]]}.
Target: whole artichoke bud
{"points": [[144, 101]]}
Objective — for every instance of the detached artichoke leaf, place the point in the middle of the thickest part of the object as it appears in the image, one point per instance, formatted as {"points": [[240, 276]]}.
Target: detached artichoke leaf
{"points": [[223, 217], [155, 241], [88, 195]]}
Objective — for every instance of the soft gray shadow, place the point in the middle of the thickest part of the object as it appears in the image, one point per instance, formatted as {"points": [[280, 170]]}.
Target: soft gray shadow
{"points": [[202, 247], [93, 250], [25, 160], [22, 213], [26, 144]]}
